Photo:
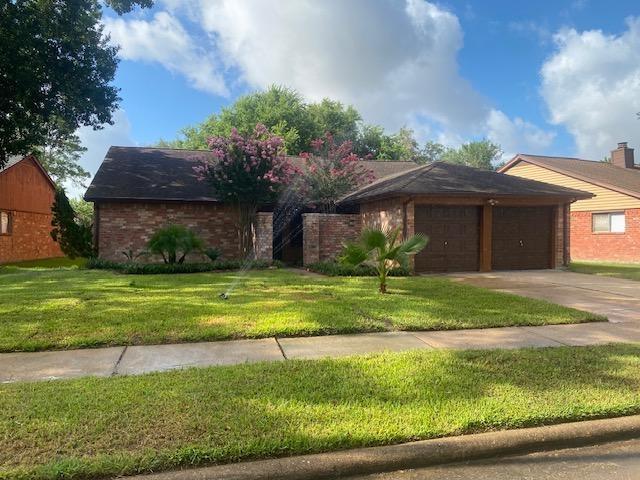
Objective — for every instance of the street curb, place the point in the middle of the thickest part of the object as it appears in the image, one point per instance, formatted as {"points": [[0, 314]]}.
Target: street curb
{"points": [[417, 454]]}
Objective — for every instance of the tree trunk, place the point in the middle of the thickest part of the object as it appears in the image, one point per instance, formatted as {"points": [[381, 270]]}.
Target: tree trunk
{"points": [[382, 276], [247, 229]]}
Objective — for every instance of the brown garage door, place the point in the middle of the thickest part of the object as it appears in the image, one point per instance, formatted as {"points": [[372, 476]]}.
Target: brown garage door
{"points": [[521, 238], [453, 238]]}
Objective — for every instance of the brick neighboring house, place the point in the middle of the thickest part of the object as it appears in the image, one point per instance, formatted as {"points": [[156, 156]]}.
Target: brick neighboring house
{"points": [[476, 219], [26, 196], [605, 227]]}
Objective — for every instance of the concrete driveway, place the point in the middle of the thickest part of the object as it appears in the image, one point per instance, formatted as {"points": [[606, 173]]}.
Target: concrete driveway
{"points": [[615, 298]]}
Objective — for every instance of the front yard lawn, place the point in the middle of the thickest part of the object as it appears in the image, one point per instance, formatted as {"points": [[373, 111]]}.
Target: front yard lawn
{"points": [[629, 271], [95, 427], [57, 309]]}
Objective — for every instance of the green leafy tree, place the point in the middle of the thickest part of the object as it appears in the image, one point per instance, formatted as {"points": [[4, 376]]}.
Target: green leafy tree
{"points": [[173, 243], [285, 114], [483, 154], [83, 211], [373, 142], [330, 116], [432, 152], [280, 109], [74, 237], [401, 146], [61, 157], [383, 250], [56, 69]]}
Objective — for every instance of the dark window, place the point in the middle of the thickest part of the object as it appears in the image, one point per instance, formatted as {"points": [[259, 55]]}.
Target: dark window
{"points": [[5, 223], [610, 222]]}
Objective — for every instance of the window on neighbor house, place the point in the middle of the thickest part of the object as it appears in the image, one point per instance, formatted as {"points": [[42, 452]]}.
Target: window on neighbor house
{"points": [[5, 223], [613, 222]]}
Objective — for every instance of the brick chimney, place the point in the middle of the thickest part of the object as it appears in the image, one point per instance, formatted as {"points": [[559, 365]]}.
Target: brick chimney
{"points": [[622, 156]]}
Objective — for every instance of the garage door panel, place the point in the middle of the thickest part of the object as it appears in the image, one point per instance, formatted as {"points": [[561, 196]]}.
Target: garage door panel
{"points": [[521, 238], [453, 238]]}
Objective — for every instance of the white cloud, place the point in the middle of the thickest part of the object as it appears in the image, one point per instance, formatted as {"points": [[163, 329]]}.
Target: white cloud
{"points": [[396, 62], [392, 60], [591, 85], [517, 135], [164, 40], [97, 142]]}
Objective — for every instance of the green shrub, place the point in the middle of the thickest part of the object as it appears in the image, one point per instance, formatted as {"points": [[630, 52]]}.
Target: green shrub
{"points": [[336, 269], [74, 238], [213, 253], [160, 268], [173, 243]]}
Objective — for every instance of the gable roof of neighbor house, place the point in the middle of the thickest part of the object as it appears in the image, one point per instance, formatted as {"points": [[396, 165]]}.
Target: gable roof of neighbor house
{"points": [[623, 180], [447, 179], [141, 173], [15, 160]]}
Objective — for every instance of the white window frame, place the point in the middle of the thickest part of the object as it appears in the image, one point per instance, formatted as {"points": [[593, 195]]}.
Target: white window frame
{"points": [[615, 226]]}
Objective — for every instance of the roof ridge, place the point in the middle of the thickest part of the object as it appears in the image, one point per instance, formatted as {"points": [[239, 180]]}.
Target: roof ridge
{"points": [[381, 160]]}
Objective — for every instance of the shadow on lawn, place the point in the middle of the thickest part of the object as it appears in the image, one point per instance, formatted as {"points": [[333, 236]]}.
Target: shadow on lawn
{"points": [[225, 414]]}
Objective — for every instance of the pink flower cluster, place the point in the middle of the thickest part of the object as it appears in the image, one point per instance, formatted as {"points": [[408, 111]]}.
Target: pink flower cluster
{"points": [[247, 168], [332, 171]]}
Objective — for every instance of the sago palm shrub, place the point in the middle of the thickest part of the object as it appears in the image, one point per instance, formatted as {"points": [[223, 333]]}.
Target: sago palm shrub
{"points": [[383, 250]]}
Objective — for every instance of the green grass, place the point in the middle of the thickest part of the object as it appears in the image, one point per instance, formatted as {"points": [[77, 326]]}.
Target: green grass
{"points": [[46, 263], [56, 309], [94, 427], [629, 271]]}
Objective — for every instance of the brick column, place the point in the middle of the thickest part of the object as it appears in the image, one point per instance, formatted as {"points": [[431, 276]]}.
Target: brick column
{"points": [[310, 238], [264, 236]]}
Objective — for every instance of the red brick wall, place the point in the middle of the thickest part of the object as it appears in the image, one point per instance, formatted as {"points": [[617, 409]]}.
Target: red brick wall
{"points": [[385, 214], [27, 195], [30, 238], [123, 226], [325, 234], [614, 247], [390, 213]]}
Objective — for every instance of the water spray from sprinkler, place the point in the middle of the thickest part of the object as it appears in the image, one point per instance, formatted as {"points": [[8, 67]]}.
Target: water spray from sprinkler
{"points": [[224, 296]]}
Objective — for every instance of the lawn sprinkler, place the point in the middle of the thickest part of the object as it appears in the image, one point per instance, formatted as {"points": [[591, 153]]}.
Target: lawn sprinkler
{"points": [[224, 296]]}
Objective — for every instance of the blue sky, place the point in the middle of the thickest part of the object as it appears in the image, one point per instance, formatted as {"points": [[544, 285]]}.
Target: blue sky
{"points": [[542, 77]]}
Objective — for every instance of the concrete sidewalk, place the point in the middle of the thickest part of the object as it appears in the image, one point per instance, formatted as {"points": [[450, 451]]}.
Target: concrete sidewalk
{"points": [[134, 360]]}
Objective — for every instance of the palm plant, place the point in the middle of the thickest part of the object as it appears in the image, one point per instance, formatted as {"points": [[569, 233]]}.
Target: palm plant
{"points": [[172, 241], [383, 249]]}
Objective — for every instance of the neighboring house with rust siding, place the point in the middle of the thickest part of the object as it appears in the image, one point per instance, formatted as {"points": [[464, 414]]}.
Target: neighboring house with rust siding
{"points": [[605, 227], [26, 197]]}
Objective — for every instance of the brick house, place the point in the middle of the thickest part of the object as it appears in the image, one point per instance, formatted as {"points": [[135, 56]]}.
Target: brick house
{"points": [[26, 196], [605, 227], [476, 220]]}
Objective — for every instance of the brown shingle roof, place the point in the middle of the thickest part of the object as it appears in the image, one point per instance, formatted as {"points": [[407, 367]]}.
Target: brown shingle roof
{"points": [[141, 173], [623, 180], [442, 178]]}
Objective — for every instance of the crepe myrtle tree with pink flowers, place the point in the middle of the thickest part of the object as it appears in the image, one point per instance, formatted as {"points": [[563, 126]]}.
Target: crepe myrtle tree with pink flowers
{"points": [[330, 172], [247, 172]]}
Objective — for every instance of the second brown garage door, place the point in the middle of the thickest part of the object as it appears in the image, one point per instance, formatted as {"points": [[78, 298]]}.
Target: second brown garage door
{"points": [[454, 235], [521, 238]]}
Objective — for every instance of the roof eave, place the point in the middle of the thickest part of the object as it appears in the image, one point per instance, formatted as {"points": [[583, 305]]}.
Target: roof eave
{"points": [[95, 199], [519, 158]]}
